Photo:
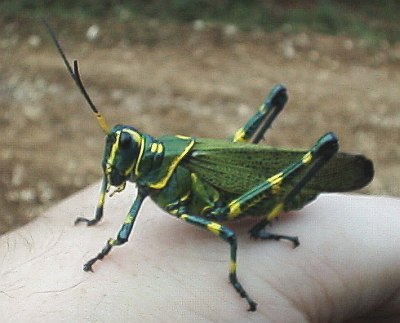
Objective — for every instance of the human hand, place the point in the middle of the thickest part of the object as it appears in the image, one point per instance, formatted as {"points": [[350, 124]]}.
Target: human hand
{"points": [[346, 267]]}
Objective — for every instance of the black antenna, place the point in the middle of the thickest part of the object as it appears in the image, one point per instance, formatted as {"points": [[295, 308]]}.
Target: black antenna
{"points": [[78, 82], [76, 77]]}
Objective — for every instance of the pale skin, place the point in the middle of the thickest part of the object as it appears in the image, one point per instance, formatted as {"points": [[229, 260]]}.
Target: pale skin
{"points": [[347, 266]]}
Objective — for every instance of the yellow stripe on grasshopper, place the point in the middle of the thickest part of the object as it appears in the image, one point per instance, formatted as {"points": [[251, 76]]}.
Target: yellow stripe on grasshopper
{"points": [[153, 147], [234, 209], [239, 136], [156, 147], [111, 242], [114, 149], [275, 182], [275, 211], [232, 267], [136, 136], [307, 158], [161, 183], [140, 156], [262, 108], [214, 227], [182, 137], [101, 199]]}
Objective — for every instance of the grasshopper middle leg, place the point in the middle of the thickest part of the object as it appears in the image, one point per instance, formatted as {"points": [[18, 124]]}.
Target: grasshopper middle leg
{"points": [[229, 236]]}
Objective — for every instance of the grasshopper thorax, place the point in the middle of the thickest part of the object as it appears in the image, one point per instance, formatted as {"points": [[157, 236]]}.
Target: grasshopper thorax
{"points": [[121, 154]]}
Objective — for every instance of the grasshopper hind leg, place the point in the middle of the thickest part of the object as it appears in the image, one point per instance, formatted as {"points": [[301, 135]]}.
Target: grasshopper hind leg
{"points": [[253, 131], [319, 155]]}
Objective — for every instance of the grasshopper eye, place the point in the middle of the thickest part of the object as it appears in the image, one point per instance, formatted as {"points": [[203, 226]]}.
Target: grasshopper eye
{"points": [[125, 140]]}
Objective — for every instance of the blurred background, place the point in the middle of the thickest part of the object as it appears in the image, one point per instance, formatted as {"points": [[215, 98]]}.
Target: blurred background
{"points": [[198, 67]]}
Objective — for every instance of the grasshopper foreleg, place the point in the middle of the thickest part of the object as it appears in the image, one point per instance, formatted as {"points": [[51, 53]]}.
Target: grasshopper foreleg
{"points": [[88, 265], [123, 233], [99, 208]]}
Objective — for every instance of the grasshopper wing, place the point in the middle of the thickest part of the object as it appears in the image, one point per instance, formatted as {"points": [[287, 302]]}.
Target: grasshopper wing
{"points": [[237, 167]]}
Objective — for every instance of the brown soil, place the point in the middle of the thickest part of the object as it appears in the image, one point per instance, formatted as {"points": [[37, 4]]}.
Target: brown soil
{"points": [[175, 79]]}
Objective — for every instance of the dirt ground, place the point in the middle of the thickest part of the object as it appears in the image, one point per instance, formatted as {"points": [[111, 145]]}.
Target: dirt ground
{"points": [[195, 80]]}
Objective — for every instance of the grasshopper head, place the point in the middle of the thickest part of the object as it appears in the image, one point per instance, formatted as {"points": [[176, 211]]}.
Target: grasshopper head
{"points": [[121, 154], [122, 142]]}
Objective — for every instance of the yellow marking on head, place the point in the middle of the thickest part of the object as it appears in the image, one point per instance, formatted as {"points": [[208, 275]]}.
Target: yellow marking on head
{"points": [[114, 149], [184, 216], [140, 155], [239, 136], [108, 169], [160, 148], [107, 172], [102, 123], [275, 211], [307, 158], [234, 209], [138, 138], [232, 267], [134, 134], [214, 227]]}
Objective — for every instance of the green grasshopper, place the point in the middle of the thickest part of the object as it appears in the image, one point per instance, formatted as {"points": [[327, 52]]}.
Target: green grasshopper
{"points": [[207, 181]]}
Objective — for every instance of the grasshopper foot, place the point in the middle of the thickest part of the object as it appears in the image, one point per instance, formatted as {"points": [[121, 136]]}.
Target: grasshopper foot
{"points": [[89, 264], [104, 252], [252, 306], [265, 235], [239, 288], [88, 221]]}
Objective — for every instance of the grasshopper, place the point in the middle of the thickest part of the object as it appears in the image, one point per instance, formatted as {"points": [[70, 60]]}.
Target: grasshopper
{"points": [[208, 181]]}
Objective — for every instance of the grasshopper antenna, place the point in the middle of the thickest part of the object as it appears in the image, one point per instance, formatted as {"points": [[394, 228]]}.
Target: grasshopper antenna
{"points": [[74, 72]]}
